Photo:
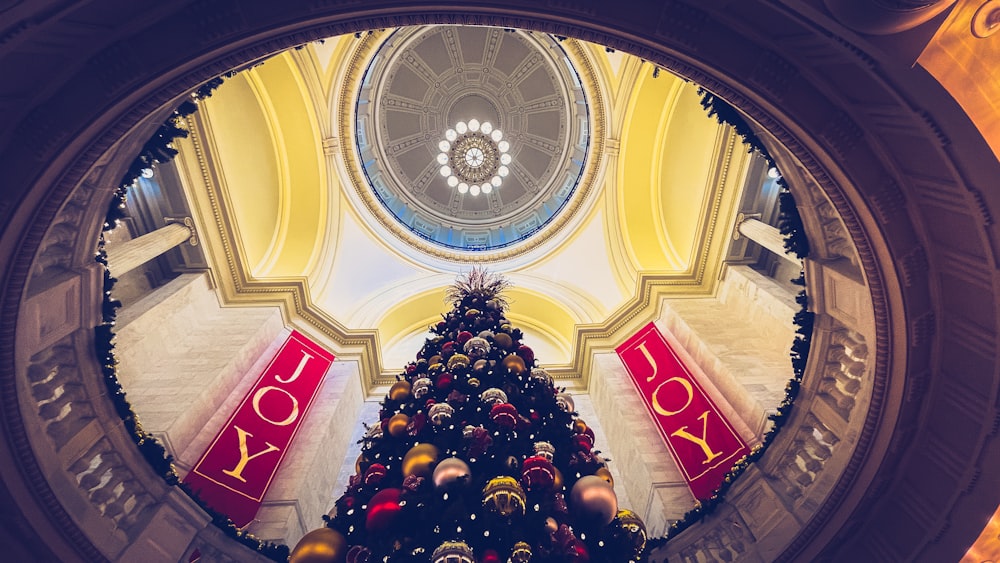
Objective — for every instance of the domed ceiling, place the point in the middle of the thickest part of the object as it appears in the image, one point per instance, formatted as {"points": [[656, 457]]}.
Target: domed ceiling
{"points": [[472, 137], [321, 170]]}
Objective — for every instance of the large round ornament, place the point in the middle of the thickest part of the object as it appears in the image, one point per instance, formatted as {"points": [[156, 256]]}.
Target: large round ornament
{"points": [[514, 363], [595, 498], [397, 424], [633, 528], [493, 396], [400, 391], [521, 552], [383, 508], [477, 347], [527, 353], [537, 473], [504, 415], [503, 340], [541, 376], [358, 554], [579, 426], [440, 413], [605, 473], [458, 361], [453, 552], [374, 474], [504, 496], [421, 387], [323, 545], [450, 470], [419, 460], [545, 449], [565, 402]]}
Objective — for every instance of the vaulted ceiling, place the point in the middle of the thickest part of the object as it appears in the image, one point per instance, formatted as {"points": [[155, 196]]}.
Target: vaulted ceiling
{"points": [[276, 167]]}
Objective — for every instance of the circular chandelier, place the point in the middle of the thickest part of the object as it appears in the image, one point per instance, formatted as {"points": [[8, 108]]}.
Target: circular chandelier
{"points": [[474, 157]]}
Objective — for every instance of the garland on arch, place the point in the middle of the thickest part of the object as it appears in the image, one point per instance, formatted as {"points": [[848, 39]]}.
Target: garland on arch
{"points": [[157, 150], [790, 225]]}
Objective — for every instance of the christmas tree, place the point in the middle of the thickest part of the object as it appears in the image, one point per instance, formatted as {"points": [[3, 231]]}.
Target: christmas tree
{"points": [[477, 458]]}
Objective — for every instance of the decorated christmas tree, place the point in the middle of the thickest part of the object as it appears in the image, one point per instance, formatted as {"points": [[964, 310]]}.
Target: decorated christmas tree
{"points": [[477, 457]]}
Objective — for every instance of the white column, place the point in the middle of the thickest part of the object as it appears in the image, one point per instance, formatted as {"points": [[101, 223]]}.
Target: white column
{"points": [[133, 253], [765, 235]]}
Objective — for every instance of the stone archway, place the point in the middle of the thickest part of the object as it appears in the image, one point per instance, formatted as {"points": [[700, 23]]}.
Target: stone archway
{"points": [[898, 159]]}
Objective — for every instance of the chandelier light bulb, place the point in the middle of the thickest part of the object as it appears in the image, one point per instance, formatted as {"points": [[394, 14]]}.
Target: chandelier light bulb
{"points": [[473, 158]]}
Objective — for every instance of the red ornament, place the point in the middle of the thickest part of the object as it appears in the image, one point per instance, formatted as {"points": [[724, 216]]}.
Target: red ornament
{"points": [[527, 354], [504, 415], [411, 369], [490, 556], [376, 472], [444, 381], [464, 337], [383, 509], [417, 423], [537, 473], [584, 442], [448, 348]]}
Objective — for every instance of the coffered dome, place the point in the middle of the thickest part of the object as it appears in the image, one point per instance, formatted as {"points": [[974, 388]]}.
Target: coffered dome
{"points": [[473, 138]]}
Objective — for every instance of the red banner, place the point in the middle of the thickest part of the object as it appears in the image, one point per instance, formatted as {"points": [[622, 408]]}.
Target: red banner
{"points": [[703, 443], [235, 471]]}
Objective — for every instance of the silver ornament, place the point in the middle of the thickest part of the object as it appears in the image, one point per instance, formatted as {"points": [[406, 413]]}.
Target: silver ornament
{"points": [[421, 387], [440, 412], [477, 346], [545, 449], [542, 376], [565, 402], [449, 471], [493, 396]]}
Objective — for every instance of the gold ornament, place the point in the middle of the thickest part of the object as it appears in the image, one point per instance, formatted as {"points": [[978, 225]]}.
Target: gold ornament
{"points": [[594, 497], [521, 552], [514, 363], [633, 528], [362, 463], [453, 552], [400, 391], [435, 359], [397, 424], [558, 482], [579, 426], [504, 495], [458, 361], [551, 525], [419, 460], [323, 545], [605, 473]]}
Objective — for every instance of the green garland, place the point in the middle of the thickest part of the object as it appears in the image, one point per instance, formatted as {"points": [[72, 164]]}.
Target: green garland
{"points": [[157, 149], [790, 225]]}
